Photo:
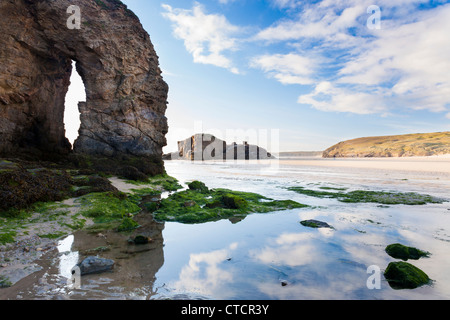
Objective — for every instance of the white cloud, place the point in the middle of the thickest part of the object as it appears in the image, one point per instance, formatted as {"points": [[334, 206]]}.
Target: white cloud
{"points": [[327, 97], [325, 21], [286, 68], [402, 66], [205, 36], [285, 3], [412, 57]]}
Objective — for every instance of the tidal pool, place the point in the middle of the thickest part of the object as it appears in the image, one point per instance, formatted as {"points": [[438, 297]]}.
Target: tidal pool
{"points": [[269, 255]]}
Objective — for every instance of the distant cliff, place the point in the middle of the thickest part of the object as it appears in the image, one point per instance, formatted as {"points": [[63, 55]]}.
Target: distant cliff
{"points": [[207, 147], [418, 144]]}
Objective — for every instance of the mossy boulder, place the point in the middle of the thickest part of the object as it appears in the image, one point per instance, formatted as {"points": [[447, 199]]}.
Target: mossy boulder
{"points": [[88, 184], [403, 275], [399, 251], [232, 201], [20, 188], [198, 186]]}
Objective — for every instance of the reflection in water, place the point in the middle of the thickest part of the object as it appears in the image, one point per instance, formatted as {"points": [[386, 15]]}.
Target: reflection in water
{"points": [[270, 256], [205, 273], [68, 258], [135, 265], [134, 272]]}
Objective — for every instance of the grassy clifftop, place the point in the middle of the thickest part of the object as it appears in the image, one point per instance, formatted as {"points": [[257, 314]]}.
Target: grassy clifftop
{"points": [[418, 144]]}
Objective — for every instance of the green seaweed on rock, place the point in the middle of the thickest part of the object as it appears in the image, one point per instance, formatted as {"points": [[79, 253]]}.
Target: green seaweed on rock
{"points": [[402, 275], [106, 204], [364, 196], [198, 205], [399, 251]]}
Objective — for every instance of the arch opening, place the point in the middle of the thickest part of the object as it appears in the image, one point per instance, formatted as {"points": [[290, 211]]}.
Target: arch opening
{"points": [[75, 94]]}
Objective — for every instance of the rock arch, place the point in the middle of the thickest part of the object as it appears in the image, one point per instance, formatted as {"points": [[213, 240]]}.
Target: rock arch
{"points": [[126, 96]]}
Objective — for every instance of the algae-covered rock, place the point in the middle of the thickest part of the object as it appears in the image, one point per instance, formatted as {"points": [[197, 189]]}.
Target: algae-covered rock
{"points": [[399, 251], [217, 204], [232, 201], [198, 186], [315, 224], [127, 225], [20, 188], [5, 282], [403, 275], [366, 196]]}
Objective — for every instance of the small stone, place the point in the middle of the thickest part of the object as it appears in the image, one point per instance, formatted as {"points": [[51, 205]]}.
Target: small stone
{"points": [[315, 224], [284, 283], [190, 203], [92, 265], [140, 239]]}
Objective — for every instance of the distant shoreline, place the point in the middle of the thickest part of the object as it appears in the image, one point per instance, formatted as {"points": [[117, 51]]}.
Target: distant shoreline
{"points": [[318, 154], [299, 154], [439, 163]]}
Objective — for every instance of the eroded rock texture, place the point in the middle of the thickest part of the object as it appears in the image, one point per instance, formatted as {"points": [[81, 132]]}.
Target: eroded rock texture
{"points": [[126, 95]]}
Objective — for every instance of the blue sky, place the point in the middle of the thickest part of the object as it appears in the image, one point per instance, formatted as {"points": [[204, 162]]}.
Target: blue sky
{"points": [[314, 71]]}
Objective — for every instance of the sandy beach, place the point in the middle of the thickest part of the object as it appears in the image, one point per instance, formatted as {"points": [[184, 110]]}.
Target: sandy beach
{"points": [[425, 164]]}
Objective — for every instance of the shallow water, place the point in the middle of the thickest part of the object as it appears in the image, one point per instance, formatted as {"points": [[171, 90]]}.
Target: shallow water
{"points": [[271, 255]]}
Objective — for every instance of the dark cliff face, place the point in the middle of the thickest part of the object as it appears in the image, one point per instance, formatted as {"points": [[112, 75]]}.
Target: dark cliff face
{"points": [[125, 106]]}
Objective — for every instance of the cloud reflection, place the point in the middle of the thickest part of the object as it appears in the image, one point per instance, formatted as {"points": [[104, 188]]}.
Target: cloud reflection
{"points": [[203, 273], [291, 249]]}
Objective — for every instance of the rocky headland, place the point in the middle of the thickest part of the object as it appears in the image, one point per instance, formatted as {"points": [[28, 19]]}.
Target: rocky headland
{"points": [[419, 144]]}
